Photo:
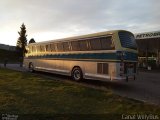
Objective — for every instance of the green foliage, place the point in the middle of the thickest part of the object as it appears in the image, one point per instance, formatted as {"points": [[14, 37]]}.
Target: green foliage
{"points": [[22, 41], [32, 41], [11, 56]]}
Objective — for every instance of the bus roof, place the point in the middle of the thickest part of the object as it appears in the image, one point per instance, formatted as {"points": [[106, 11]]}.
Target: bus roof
{"points": [[79, 37]]}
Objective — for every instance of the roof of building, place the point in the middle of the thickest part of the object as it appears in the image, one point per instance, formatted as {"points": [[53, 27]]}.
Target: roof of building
{"points": [[148, 40]]}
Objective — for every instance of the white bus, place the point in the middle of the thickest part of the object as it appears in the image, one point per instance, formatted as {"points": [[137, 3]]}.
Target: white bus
{"points": [[108, 55]]}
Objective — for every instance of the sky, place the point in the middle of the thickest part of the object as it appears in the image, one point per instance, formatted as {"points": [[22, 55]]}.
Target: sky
{"points": [[52, 19]]}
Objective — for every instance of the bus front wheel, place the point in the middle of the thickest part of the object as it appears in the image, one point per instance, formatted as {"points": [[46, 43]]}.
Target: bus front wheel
{"points": [[77, 74]]}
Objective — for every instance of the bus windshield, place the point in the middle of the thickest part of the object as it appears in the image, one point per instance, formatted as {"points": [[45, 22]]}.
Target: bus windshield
{"points": [[127, 40]]}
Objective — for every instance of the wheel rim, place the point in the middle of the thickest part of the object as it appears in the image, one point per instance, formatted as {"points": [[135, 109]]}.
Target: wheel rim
{"points": [[77, 75]]}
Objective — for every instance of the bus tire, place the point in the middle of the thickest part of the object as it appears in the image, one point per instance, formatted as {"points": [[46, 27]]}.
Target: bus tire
{"points": [[77, 74], [31, 67]]}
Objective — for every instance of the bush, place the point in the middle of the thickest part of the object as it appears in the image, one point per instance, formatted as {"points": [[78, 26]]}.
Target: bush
{"points": [[11, 56]]}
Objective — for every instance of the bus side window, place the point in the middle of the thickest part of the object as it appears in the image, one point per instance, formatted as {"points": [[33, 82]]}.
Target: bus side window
{"points": [[106, 43], [59, 47], [29, 49], [75, 45], [34, 49], [95, 44], [38, 48], [66, 46], [83, 45], [52, 47], [47, 48], [43, 48]]}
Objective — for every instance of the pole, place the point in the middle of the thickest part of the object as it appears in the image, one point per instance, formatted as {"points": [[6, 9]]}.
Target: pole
{"points": [[158, 58], [147, 57]]}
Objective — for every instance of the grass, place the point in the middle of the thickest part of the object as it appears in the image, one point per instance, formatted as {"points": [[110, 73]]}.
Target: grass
{"points": [[26, 93]]}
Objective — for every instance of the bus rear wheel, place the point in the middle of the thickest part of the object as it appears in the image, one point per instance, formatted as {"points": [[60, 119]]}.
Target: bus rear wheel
{"points": [[31, 67], [77, 74]]}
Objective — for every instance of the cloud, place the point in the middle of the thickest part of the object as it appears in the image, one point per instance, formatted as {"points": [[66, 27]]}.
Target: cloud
{"points": [[74, 17]]}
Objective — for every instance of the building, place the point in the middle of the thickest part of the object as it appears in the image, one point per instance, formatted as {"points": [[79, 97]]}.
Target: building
{"points": [[7, 47], [149, 48]]}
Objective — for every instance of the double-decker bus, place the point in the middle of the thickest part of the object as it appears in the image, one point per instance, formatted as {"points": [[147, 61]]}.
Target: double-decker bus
{"points": [[110, 55]]}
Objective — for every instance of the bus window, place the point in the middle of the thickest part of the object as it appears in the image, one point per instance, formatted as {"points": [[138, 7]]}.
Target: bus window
{"points": [[75, 46], [39, 50], [29, 49], [127, 40], [42, 48], [34, 49], [59, 47], [106, 43], [95, 44], [52, 47], [83, 45], [47, 48], [66, 46]]}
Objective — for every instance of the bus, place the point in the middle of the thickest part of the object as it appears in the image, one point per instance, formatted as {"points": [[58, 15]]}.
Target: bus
{"points": [[109, 55]]}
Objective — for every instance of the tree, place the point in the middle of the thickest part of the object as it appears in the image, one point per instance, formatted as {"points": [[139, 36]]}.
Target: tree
{"points": [[32, 41], [22, 41]]}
